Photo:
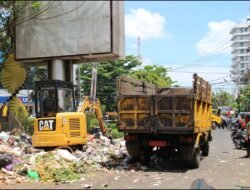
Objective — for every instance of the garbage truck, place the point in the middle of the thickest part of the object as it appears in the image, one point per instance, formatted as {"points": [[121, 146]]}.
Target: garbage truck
{"points": [[173, 121]]}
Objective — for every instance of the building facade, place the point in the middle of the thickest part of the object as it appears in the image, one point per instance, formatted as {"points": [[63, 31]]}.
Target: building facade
{"points": [[240, 53], [23, 97]]}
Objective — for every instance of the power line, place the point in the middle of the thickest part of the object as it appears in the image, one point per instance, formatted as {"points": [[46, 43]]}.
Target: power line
{"points": [[220, 78], [221, 82], [198, 72], [208, 56]]}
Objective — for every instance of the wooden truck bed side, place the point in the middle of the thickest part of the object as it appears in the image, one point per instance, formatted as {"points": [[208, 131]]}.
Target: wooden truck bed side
{"points": [[143, 108]]}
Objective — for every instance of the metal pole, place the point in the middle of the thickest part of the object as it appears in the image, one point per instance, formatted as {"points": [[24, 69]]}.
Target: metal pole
{"points": [[78, 82], [58, 69], [93, 82]]}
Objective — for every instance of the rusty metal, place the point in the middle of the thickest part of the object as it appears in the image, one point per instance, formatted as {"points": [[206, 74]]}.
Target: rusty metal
{"points": [[161, 110]]}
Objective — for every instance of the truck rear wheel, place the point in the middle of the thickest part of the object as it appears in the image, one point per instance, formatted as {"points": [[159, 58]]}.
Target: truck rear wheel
{"points": [[195, 162], [147, 153], [134, 148]]}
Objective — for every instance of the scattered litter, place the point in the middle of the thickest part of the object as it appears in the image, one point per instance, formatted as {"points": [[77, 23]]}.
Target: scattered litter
{"points": [[136, 180], [105, 185], [156, 184], [223, 161], [33, 174], [66, 155], [86, 186]]}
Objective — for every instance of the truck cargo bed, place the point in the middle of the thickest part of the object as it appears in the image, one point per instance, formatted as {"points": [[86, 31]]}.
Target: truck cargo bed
{"points": [[145, 108]]}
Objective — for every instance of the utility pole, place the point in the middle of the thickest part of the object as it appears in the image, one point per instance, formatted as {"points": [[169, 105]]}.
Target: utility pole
{"points": [[93, 82], [139, 49], [79, 82]]}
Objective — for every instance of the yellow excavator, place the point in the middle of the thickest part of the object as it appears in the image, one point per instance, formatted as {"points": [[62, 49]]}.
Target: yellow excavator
{"points": [[58, 121]]}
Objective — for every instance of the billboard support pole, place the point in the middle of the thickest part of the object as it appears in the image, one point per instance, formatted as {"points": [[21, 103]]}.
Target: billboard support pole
{"points": [[58, 69]]}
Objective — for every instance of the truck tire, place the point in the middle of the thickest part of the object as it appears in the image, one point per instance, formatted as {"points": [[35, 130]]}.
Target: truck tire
{"points": [[214, 125], [147, 153], [205, 149], [195, 162], [134, 149]]}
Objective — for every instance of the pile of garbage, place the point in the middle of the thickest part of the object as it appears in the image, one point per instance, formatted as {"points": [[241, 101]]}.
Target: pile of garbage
{"points": [[12, 149], [20, 162]]}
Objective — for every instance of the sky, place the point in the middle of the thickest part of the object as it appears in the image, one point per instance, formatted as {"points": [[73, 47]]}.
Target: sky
{"points": [[185, 36]]}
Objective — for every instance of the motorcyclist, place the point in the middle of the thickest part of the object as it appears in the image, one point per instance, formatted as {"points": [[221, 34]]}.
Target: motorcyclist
{"points": [[224, 120], [247, 139], [242, 122]]}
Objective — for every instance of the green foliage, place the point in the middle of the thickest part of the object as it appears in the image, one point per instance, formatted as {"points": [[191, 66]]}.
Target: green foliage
{"points": [[107, 73], [51, 169], [23, 116], [113, 131], [9, 9], [243, 100], [65, 174], [92, 122], [36, 5], [222, 98], [153, 74], [29, 127]]}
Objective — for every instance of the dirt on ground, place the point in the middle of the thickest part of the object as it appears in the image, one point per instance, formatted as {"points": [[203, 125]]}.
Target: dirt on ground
{"points": [[224, 168]]}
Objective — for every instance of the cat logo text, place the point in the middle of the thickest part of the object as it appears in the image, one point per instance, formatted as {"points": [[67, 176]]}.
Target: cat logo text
{"points": [[46, 125]]}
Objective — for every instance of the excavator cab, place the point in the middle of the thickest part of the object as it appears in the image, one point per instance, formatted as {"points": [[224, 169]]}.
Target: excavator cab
{"points": [[52, 97]]}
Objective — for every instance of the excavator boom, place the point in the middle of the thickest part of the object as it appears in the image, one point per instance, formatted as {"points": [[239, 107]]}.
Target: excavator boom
{"points": [[87, 103]]}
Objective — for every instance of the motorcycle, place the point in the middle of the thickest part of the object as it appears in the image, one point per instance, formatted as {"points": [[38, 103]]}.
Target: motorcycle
{"points": [[239, 138], [234, 127]]}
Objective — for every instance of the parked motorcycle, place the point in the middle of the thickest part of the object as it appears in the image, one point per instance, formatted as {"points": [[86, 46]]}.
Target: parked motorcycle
{"points": [[239, 138], [233, 124], [234, 127]]}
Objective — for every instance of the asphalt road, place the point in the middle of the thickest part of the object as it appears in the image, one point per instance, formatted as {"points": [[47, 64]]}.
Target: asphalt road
{"points": [[222, 169]]}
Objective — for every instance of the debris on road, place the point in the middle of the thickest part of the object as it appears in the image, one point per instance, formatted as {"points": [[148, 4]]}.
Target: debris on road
{"points": [[61, 165], [20, 162]]}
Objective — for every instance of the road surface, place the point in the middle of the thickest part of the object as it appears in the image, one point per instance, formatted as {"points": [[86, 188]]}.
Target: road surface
{"points": [[223, 168]]}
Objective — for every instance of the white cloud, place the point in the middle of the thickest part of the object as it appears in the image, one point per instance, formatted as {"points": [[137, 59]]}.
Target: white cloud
{"points": [[216, 37], [143, 23]]}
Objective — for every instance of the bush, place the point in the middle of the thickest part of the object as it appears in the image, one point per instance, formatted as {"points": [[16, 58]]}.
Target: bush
{"points": [[113, 131], [23, 116], [29, 127], [92, 122]]}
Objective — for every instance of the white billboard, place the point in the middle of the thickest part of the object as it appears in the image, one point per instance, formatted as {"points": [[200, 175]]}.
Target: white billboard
{"points": [[76, 30]]}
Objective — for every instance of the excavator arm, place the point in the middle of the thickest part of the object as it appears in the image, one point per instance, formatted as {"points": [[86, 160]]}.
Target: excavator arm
{"points": [[87, 103]]}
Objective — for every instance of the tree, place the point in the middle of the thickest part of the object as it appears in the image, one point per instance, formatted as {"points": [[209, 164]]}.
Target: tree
{"points": [[222, 98], [154, 74], [11, 14], [107, 73], [243, 99]]}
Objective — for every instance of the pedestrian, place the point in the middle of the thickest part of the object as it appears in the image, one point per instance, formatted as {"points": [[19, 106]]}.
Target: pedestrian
{"points": [[247, 140], [4, 112]]}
